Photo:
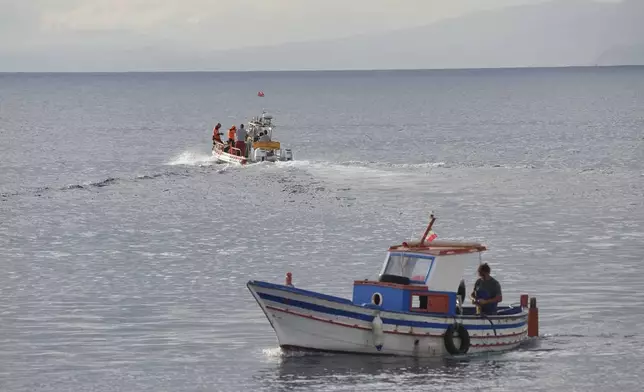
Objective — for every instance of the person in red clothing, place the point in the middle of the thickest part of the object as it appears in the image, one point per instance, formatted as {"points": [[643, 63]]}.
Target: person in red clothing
{"points": [[232, 133], [216, 135]]}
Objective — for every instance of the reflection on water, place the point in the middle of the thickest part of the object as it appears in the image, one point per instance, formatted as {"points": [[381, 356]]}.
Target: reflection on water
{"points": [[300, 370]]}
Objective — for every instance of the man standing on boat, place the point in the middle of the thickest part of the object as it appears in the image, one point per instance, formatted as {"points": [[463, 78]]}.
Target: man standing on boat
{"points": [[216, 135], [231, 133], [487, 291], [241, 140]]}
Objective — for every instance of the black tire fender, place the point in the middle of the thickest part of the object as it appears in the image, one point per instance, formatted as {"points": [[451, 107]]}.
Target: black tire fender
{"points": [[448, 338]]}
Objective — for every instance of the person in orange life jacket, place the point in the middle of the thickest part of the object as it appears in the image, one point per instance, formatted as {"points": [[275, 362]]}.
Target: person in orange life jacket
{"points": [[231, 133], [216, 135], [487, 291], [241, 140]]}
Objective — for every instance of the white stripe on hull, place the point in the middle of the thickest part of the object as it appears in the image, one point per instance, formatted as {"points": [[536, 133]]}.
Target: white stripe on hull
{"points": [[228, 158]]}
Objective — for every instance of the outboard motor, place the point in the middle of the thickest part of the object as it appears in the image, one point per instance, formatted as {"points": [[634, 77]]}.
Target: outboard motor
{"points": [[260, 155], [288, 154]]}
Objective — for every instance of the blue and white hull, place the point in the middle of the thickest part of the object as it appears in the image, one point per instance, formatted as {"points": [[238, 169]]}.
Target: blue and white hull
{"points": [[308, 320]]}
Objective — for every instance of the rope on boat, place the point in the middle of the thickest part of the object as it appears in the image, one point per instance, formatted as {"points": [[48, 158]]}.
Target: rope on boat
{"points": [[490, 321]]}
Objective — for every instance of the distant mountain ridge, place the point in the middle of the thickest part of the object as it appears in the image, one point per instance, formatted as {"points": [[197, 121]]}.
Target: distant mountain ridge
{"points": [[557, 33]]}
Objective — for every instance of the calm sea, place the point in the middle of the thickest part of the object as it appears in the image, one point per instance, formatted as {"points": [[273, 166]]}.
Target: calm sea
{"points": [[124, 250]]}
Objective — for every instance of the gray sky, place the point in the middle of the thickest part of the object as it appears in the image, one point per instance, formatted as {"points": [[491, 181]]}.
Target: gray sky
{"points": [[220, 24], [79, 35]]}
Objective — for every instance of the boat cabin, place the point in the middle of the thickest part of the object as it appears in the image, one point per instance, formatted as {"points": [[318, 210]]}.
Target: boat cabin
{"points": [[262, 150], [419, 277], [263, 123]]}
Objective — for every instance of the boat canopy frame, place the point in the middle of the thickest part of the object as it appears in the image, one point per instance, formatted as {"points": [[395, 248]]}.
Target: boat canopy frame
{"points": [[437, 248]]}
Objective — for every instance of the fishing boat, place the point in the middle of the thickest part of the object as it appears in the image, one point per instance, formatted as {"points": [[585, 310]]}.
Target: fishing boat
{"points": [[415, 308], [265, 150]]}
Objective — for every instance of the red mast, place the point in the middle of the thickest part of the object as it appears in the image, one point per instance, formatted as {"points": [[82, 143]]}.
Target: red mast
{"points": [[429, 228]]}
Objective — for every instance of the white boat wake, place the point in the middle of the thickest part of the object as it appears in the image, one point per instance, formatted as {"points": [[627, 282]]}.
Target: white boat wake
{"points": [[191, 158]]}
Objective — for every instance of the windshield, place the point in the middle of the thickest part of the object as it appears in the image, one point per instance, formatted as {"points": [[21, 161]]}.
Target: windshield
{"points": [[412, 266]]}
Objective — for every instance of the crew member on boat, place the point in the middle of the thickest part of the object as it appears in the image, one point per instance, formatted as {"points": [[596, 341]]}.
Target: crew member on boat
{"points": [[263, 137], [216, 135], [232, 133], [229, 145], [487, 291], [241, 140]]}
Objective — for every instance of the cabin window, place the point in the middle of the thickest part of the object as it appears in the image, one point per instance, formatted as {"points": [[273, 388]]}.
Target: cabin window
{"points": [[376, 299], [414, 267]]}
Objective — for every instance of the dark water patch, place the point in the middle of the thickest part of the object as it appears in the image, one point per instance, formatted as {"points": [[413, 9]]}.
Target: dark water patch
{"points": [[296, 188], [40, 191], [110, 181], [70, 187], [106, 182], [6, 195]]}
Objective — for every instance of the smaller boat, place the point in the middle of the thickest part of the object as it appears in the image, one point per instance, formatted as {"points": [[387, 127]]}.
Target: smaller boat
{"points": [[415, 308], [265, 150]]}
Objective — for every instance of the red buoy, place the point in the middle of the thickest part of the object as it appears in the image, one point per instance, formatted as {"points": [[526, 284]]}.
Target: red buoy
{"points": [[260, 94], [524, 300]]}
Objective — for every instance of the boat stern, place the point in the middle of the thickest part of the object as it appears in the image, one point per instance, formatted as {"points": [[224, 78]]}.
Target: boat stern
{"points": [[221, 156]]}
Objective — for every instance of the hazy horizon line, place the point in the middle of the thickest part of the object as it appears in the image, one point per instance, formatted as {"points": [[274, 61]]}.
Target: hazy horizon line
{"points": [[323, 70]]}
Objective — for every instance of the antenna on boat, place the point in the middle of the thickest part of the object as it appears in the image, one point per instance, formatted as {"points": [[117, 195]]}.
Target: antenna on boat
{"points": [[432, 219]]}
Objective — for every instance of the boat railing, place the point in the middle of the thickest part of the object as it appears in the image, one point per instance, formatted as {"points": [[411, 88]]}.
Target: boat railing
{"points": [[232, 150], [235, 151]]}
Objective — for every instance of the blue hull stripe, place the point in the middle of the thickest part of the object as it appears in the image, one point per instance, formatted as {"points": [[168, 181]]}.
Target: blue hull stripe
{"points": [[294, 290], [368, 318]]}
